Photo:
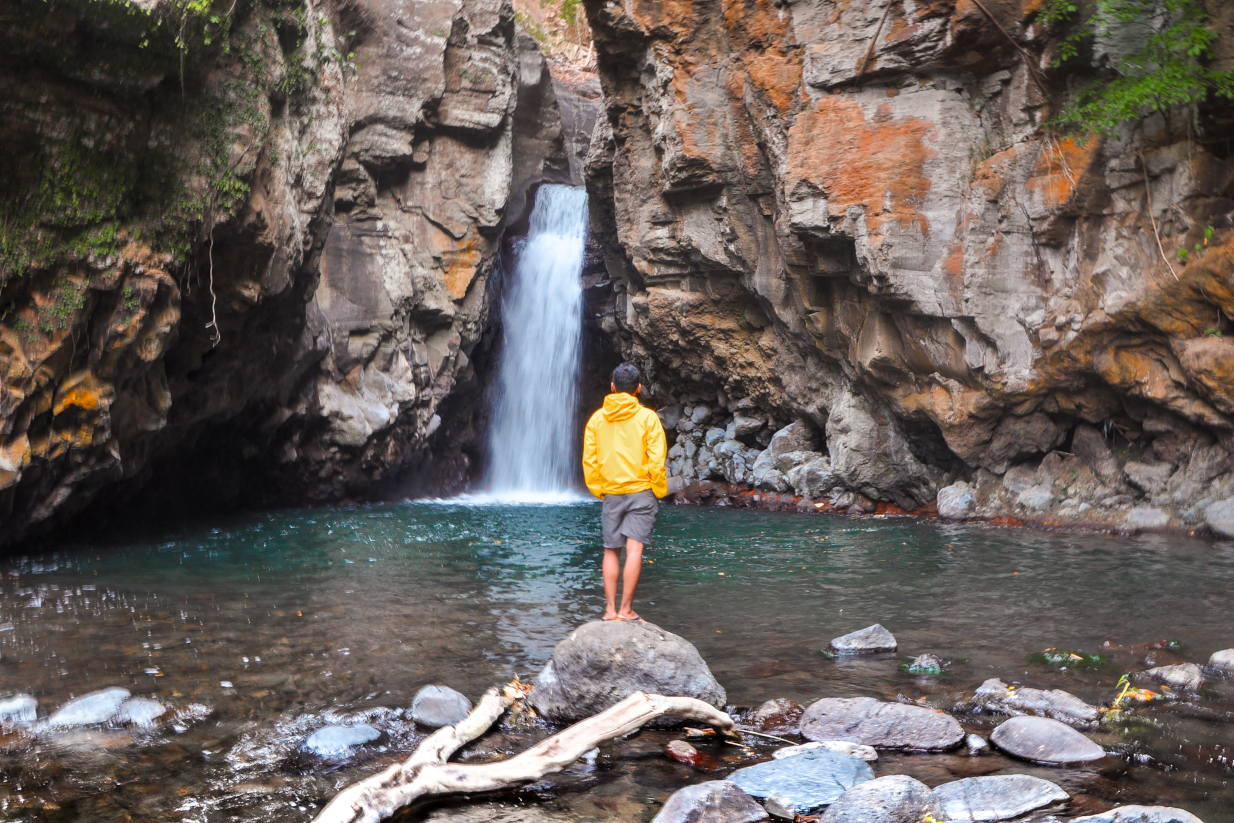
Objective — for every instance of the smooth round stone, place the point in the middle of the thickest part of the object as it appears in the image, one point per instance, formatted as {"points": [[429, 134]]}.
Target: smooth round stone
{"points": [[716, 801], [882, 725], [870, 639], [866, 753], [437, 706], [91, 709], [996, 696], [896, 798], [996, 797], [1220, 517], [804, 782], [1223, 660], [1186, 676], [1141, 814], [339, 741], [140, 711], [956, 502], [20, 708], [1043, 740]]}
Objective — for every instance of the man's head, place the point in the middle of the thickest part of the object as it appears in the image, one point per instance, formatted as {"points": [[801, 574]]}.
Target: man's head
{"points": [[626, 379]]}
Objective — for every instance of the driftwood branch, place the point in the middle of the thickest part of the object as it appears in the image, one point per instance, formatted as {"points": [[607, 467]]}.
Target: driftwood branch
{"points": [[427, 774]]}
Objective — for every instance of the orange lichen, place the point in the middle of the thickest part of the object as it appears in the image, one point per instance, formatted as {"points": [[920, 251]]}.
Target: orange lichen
{"points": [[1060, 167]]}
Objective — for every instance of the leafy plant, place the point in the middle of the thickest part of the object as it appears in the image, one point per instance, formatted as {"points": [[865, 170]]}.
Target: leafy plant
{"points": [[1167, 71], [1184, 252]]}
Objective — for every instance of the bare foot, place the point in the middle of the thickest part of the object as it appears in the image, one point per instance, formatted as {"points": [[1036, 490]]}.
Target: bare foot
{"points": [[610, 616]]}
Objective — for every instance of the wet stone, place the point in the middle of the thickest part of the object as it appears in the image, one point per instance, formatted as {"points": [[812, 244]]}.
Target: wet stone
{"points": [[437, 706], [976, 744], [866, 753], [1141, 814], [20, 708], [926, 664], [870, 639], [1185, 676], [140, 711], [91, 709], [779, 716], [1043, 740], [896, 798], [996, 696], [339, 741], [1222, 660], [882, 725], [997, 797], [1220, 517], [1146, 517], [956, 502], [806, 781], [717, 801], [683, 752]]}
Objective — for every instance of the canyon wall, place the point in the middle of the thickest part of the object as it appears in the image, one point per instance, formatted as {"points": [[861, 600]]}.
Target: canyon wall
{"points": [[247, 253], [849, 214]]}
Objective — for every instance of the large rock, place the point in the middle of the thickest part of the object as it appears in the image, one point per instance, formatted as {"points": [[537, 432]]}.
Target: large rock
{"points": [[1147, 517], [870, 639], [437, 706], [1222, 660], [1043, 740], [779, 716], [896, 798], [956, 502], [717, 801], [812, 479], [1141, 814], [1150, 478], [996, 797], [798, 436], [1220, 517], [1093, 449], [337, 742], [603, 662], [882, 725], [92, 709], [804, 782], [996, 696], [1185, 676]]}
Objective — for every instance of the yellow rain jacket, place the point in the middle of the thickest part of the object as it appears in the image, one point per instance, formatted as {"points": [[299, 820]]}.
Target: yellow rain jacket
{"points": [[624, 448]]}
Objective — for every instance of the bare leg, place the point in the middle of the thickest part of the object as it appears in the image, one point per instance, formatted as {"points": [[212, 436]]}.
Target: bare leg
{"points": [[610, 568], [634, 565]]}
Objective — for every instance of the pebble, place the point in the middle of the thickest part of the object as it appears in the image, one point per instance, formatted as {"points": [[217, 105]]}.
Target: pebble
{"points": [[996, 797], [976, 744], [1043, 740], [20, 708], [870, 639], [91, 709], [339, 741], [437, 706]]}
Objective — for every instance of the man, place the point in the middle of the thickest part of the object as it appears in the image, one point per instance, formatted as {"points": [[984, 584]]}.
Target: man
{"points": [[623, 463]]}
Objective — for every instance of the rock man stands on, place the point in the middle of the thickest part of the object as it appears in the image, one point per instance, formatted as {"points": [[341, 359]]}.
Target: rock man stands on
{"points": [[623, 464]]}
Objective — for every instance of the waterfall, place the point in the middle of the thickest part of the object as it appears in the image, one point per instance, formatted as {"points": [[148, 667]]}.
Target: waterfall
{"points": [[533, 445]]}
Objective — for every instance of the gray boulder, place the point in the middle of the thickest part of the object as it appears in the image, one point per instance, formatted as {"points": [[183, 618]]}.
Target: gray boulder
{"points": [[91, 709], [140, 711], [1150, 478], [882, 725], [1147, 517], [997, 797], [1220, 517], [713, 437], [717, 801], [956, 502], [1044, 740], [1035, 498], [896, 798], [797, 785], [812, 479], [870, 639], [20, 708], [1088, 444], [798, 436], [1222, 660], [437, 706], [996, 696], [336, 742], [747, 423], [788, 461], [1141, 814], [1183, 676], [603, 662]]}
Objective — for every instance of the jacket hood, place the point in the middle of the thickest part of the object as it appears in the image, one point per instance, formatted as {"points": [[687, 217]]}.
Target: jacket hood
{"points": [[620, 406]]}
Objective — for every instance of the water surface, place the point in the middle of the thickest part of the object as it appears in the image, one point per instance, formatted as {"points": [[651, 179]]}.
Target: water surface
{"points": [[280, 623]]}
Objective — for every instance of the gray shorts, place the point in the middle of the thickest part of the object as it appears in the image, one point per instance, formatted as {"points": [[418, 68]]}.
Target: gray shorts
{"points": [[628, 515]]}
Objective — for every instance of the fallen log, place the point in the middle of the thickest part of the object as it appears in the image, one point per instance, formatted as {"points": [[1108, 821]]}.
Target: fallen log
{"points": [[426, 773]]}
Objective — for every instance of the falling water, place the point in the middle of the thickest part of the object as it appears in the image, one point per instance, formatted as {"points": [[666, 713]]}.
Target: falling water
{"points": [[532, 446]]}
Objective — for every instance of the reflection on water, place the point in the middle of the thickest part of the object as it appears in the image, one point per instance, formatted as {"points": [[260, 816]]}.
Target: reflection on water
{"points": [[280, 624]]}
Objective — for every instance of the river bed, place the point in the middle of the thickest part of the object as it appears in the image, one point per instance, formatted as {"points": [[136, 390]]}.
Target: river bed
{"points": [[257, 629]]}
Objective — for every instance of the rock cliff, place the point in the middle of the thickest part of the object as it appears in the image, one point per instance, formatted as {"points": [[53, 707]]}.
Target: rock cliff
{"points": [[849, 214], [247, 249]]}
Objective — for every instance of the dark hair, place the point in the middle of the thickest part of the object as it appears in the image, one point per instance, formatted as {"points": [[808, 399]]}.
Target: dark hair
{"points": [[625, 378]]}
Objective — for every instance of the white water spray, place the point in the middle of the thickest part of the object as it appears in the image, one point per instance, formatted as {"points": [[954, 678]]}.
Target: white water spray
{"points": [[533, 443]]}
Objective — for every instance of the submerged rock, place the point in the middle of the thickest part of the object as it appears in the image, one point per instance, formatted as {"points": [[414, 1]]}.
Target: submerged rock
{"points": [[437, 706], [976, 744], [996, 797], [603, 662], [866, 753], [870, 639], [956, 502], [804, 782], [91, 709], [882, 725], [925, 664], [1185, 676], [1044, 740], [996, 696], [683, 752], [717, 801], [1222, 660], [140, 711], [339, 741], [896, 798], [779, 716], [1141, 814], [20, 708]]}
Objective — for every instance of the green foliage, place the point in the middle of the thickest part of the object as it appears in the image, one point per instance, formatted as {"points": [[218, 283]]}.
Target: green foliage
{"points": [[1184, 252], [1168, 70], [570, 10], [530, 26]]}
